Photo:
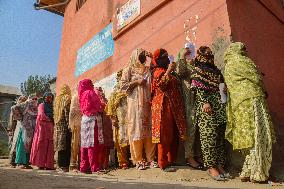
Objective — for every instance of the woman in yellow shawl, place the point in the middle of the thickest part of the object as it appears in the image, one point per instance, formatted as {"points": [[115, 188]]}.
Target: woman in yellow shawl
{"points": [[249, 126], [116, 108], [62, 133]]}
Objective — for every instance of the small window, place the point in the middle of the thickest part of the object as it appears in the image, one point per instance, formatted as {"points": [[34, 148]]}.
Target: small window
{"points": [[79, 4]]}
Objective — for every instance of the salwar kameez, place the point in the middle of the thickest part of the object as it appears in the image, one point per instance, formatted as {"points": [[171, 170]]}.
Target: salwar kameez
{"points": [[183, 70], [205, 81], [75, 118], [24, 140], [212, 128], [63, 159], [42, 151], [22, 157], [92, 136], [90, 150], [138, 118], [12, 153], [91, 143], [250, 127], [63, 139], [117, 109], [168, 146], [14, 127], [168, 114]]}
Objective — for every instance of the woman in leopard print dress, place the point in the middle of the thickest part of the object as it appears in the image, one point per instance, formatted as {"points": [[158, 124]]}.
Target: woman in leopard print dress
{"points": [[210, 112]]}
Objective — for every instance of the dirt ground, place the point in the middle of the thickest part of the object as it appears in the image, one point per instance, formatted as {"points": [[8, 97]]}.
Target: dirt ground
{"points": [[14, 178]]}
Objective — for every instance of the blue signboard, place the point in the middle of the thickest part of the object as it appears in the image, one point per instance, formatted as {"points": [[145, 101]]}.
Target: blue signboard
{"points": [[95, 51]]}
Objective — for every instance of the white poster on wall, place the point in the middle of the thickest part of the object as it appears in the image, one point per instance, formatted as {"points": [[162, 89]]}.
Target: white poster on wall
{"points": [[127, 13], [107, 84]]}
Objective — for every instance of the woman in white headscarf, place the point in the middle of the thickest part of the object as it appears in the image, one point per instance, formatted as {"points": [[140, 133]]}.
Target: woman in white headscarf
{"points": [[14, 128], [135, 81]]}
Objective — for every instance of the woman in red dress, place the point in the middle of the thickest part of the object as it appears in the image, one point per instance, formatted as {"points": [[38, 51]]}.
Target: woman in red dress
{"points": [[168, 114]]}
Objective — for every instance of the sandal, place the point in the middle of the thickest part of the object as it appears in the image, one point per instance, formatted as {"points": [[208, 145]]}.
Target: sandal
{"points": [[154, 164], [217, 178], [75, 170], [141, 166], [245, 179], [227, 175], [124, 166], [198, 167]]}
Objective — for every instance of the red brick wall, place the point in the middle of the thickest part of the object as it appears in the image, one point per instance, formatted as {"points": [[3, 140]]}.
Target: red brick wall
{"points": [[162, 28]]}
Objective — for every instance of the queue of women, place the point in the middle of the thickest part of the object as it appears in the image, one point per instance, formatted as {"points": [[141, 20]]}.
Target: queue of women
{"points": [[153, 110]]}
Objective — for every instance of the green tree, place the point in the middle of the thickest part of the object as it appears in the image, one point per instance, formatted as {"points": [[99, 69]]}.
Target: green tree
{"points": [[36, 84]]}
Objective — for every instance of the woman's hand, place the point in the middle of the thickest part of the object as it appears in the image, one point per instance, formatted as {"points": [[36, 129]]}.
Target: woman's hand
{"points": [[171, 68], [225, 89], [207, 108], [114, 121], [186, 52], [141, 81]]}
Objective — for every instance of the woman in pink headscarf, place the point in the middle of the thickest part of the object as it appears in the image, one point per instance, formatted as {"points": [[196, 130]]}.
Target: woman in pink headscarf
{"points": [[91, 104]]}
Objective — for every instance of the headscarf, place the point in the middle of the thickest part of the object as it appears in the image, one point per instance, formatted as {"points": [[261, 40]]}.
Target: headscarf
{"points": [[156, 61], [16, 115], [90, 101], [21, 99], [158, 69], [134, 62], [191, 47], [244, 82], [48, 106], [241, 72], [31, 107], [61, 101], [205, 74]]}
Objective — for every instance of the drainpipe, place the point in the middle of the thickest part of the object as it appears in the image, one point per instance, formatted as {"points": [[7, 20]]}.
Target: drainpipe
{"points": [[38, 7]]}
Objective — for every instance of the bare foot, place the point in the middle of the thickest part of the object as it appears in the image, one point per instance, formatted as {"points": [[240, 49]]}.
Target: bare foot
{"points": [[213, 171]]}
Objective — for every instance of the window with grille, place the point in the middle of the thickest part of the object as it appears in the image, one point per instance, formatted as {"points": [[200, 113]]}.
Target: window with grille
{"points": [[79, 4]]}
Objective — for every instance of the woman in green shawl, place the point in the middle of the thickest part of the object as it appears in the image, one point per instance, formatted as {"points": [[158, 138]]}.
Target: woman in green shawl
{"points": [[185, 66], [249, 125]]}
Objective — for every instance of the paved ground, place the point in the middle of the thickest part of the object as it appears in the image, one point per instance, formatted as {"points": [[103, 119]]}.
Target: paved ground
{"points": [[118, 179]]}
